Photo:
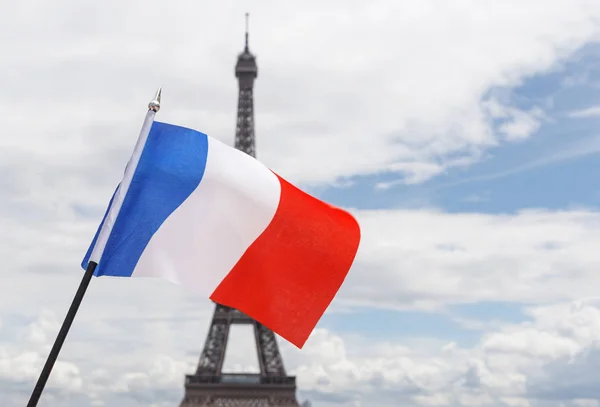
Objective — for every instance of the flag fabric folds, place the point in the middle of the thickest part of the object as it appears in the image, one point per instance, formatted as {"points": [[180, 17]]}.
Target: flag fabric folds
{"points": [[211, 218]]}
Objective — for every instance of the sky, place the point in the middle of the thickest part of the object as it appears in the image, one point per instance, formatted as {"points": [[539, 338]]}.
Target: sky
{"points": [[462, 134]]}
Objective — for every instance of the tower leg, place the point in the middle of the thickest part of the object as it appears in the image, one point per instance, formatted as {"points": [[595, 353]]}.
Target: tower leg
{"points": [[211, 387]]}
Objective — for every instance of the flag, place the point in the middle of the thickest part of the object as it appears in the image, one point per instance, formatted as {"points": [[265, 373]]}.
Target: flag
{"points": [[217, 221]]}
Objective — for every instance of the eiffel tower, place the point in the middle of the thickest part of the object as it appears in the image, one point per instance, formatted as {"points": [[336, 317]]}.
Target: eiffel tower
{"points": [[209, 386]]}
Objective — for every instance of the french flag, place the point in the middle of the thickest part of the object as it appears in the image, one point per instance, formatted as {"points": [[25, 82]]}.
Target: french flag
{"points": [[196, 212]]}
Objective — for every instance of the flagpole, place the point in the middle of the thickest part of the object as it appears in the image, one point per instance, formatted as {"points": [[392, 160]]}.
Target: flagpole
{"points": [[153, 108]]}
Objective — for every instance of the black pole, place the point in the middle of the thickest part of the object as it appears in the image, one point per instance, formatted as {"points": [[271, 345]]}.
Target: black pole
{"points": [[62, 334]]}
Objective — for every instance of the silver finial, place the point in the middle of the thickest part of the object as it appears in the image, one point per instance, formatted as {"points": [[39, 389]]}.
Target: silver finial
{"points": [[155, 104]]}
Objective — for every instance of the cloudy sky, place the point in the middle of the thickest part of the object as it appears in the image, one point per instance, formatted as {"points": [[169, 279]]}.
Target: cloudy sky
{"points": [[463, 134]]}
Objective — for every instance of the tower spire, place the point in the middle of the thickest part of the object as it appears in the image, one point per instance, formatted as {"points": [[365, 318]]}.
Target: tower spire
{"points": [[247, 31], [246, 71]]}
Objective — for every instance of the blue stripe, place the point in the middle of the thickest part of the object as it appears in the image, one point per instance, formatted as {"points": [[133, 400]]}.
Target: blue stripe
{"points": [[171, 167]]}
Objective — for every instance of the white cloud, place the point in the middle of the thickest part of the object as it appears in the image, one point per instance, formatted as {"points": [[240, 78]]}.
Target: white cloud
{"points": [[351, 88], [548, 362], [509, 366], [518, 124], [22, 358], [425, 259], [587, 112]]}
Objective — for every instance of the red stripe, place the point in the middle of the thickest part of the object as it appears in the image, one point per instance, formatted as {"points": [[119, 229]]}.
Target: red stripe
{"points": [[289, 275]]}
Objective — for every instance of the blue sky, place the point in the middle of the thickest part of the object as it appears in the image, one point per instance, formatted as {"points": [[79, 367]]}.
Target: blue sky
{"points": [[443, 326], [554, 169]]}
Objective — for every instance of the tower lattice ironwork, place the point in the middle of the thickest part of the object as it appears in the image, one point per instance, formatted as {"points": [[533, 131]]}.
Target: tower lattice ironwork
{"points": [[209, 386]]}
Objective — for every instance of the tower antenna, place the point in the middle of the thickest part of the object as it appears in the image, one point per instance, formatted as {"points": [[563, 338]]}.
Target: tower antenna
{"points": [[247, 28]]}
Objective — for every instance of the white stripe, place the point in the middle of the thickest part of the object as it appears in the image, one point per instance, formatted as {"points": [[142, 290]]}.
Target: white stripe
{"points": [[203, 239], [114, 209]]}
